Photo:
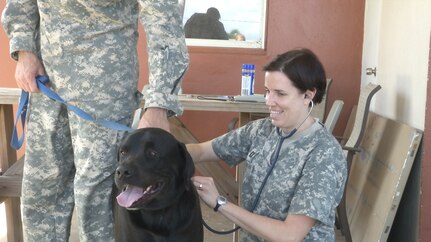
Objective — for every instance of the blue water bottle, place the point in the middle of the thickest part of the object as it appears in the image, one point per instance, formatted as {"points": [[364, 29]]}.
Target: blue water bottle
{"points": [[247, 79]]}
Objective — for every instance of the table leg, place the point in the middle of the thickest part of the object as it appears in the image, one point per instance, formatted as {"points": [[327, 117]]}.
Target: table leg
{"points": [[244, 118]]}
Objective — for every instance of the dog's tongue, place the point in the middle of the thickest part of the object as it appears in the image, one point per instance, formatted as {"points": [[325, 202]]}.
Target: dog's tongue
{"points": [[129, 196]]}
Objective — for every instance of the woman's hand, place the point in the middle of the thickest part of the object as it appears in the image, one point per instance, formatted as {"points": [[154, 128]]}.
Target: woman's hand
{"points": [[294, 228], [206, 189]]}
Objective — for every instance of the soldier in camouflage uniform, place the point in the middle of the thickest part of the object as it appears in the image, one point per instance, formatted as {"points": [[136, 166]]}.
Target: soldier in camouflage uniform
{"points": [[88, 49], [304, 164]]}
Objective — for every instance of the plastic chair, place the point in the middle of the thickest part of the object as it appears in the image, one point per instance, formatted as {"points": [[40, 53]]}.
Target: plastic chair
{"points": [[351, 147], [333, 115]]}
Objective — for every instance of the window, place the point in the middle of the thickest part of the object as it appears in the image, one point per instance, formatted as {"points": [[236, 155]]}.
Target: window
{"points": [[222, 23]]}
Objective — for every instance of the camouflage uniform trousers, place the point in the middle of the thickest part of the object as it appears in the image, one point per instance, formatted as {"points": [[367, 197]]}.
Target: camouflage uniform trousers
{"points": [[68, 162]]}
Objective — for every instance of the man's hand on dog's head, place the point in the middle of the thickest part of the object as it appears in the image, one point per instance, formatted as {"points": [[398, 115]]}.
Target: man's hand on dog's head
{"points": [[155, 117]]}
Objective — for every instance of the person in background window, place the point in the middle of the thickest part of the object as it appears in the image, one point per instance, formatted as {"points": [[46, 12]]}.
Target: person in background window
{"points": [[88, 49], [295, 169], [205, 26], [239, 37]]}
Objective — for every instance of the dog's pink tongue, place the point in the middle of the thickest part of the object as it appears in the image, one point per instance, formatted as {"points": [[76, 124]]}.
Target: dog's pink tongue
{"points": [[129, 196]]}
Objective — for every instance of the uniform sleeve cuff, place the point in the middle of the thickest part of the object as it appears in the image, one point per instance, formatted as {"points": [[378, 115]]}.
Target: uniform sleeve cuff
{"points": [[21, 44], [169, 102]]}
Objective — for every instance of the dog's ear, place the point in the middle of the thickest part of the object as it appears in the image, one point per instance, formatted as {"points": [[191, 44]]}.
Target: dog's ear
{"points": [[189, 166]]}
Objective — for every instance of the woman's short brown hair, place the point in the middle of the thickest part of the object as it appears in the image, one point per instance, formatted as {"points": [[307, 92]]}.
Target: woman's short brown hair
{"points": [[303, 68]]}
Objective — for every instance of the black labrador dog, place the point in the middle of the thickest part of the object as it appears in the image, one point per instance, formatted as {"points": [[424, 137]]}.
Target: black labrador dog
{"points": [[156, 200]]}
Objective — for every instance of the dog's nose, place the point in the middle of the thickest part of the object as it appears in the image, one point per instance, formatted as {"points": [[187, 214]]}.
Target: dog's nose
{"points": [[122, 172]]}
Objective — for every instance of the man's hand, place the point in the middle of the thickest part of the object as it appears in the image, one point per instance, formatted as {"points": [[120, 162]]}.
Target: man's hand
{"points": [[155, 117], [27, 68]]}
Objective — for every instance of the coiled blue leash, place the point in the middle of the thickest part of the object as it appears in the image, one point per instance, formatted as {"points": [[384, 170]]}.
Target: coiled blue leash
{"points": [[41, 82]]}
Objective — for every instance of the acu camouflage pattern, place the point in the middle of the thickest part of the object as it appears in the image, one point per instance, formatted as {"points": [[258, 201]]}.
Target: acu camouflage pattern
{"points": [[61, 172], [308, 178], [89, 51], [89, 46]]}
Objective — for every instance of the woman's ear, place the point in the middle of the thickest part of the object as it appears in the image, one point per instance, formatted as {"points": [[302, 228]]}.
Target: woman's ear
{"points": [[309, 94], [308, 97]]}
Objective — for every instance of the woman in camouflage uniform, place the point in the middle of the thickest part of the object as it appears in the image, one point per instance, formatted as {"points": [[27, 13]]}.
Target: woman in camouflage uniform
{"points": [[88, 49], [304, 164]]}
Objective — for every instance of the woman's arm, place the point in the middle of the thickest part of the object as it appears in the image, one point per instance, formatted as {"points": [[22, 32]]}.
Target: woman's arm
{"points": [[202, 152], [293, 228]]}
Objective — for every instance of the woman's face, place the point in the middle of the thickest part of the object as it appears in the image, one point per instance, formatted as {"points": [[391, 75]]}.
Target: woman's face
{"points": [[287, 105]]}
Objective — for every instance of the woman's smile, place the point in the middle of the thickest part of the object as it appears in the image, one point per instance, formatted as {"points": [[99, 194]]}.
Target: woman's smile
{"points": [[275, 114]]}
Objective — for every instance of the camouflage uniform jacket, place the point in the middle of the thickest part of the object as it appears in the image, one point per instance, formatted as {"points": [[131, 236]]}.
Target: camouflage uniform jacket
{"points": [[89, 47], [308, 177]]}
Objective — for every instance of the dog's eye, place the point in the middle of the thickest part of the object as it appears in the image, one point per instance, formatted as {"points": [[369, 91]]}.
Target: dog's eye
{"points": [[122, 152], [152, 153]]}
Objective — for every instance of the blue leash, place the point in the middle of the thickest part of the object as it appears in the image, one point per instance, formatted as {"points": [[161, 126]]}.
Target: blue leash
{"points": [[41, 82]]}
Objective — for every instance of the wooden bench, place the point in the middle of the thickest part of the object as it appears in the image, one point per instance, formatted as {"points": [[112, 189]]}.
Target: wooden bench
{"points": [[378, 177], [11, 170]]}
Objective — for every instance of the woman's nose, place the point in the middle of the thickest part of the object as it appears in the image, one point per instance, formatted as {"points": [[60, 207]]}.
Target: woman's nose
{"points": [[268, 99]]}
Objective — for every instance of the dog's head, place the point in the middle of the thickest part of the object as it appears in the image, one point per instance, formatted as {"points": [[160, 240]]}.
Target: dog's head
{"points": [[154, 170]]}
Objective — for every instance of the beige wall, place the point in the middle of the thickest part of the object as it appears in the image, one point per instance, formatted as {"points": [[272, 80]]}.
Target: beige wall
{"points": [[402, 65]]}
